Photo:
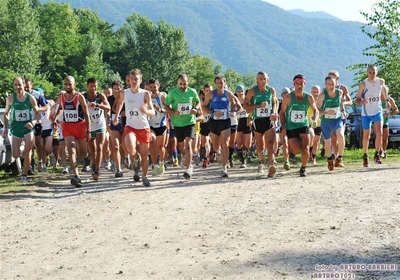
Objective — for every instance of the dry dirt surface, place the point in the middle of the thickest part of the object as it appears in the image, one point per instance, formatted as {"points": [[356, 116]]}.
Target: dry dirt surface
{"points": [[246, 226]]}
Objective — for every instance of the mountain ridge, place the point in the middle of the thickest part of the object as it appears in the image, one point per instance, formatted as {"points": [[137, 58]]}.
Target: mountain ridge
{"points": [[252, 35]]}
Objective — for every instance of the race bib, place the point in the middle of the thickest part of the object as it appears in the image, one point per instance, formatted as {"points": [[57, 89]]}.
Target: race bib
{"points": [[71, 116], [113, 118], [242, 114], [297, 116], [133, 114], [22, 115], [263, 112], [333, 116], [224, 116], [206, 118], [95, 115], [184, 108]]}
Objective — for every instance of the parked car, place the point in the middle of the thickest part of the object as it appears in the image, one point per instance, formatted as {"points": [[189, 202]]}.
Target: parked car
{"points": [[353, 130], [7, 162]]}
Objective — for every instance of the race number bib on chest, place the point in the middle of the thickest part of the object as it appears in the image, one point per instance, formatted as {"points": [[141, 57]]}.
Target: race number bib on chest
{"points": [[133, 114], [71, 116], [224, 114], [113, 118], [95, 115], [297, 116], [184, 108], [332, 116], [207, 118], [22, 115], [263, 112]]}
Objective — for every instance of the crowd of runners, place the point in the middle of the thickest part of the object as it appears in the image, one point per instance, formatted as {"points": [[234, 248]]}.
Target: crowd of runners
{"points": [[142, 128]]}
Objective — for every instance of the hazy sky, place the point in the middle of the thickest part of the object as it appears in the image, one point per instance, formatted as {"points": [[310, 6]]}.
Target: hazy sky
{"points": [[344, 9]]}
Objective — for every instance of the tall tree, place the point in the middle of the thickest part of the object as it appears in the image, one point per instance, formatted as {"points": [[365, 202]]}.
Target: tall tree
{"points": [[59, 27], [233, 79], [20, 38], [383, 26], [158, 49], [200, 71]]}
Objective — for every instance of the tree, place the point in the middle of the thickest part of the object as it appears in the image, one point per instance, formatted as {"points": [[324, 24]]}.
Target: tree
{"points": [[383, 26], [20, 38], [59, 28], [159, 50], [200, 71], [233, 79]]}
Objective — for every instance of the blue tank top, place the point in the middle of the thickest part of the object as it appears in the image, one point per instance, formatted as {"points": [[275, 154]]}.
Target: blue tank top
{"points": [[220, 104]]}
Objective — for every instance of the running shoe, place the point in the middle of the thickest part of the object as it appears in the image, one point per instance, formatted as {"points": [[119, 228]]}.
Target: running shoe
{"points": [[377, 158], [260, 168], [366, 161], [136, 177], [187, 175], [224, 173], [243, 165], [303, 172], [95, 175], [136, 165], [331, 166], [212, 157], [76, 181], [314, 160], [286, 165], [146, 182], [155, 170], [339, 162], [119, 174], [24, 179], [205, 162], [271, 171], [196, 159], [161, 169], [175, 162], [65, 170]]}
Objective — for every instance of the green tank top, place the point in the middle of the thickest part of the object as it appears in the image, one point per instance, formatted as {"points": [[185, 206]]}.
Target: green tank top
{"points": [[21, 112], [260, 97], [384, 111], [296, 112], [331, 103]]}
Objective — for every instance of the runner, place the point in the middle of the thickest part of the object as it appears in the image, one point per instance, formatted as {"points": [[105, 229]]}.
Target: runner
{"points": [[294, 120], [97, 105], [22, 113], [315, 132], [182, 103], [370, 95], [331, 106], [262, 102], [44, 110], [387, 112], [283, 140], [138, 108], [76, 125], [158, 125], [116, 129], [244, 135], [220, 103], [205, 145]]}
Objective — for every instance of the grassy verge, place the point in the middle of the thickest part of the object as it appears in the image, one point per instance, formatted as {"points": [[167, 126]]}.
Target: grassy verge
{"points": [[10, 184]]}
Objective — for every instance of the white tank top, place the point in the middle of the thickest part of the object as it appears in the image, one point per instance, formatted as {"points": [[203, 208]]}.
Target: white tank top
{"points": [[97, 118], [134, 117], [44, 120], [159, 119], [372, 93]]}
